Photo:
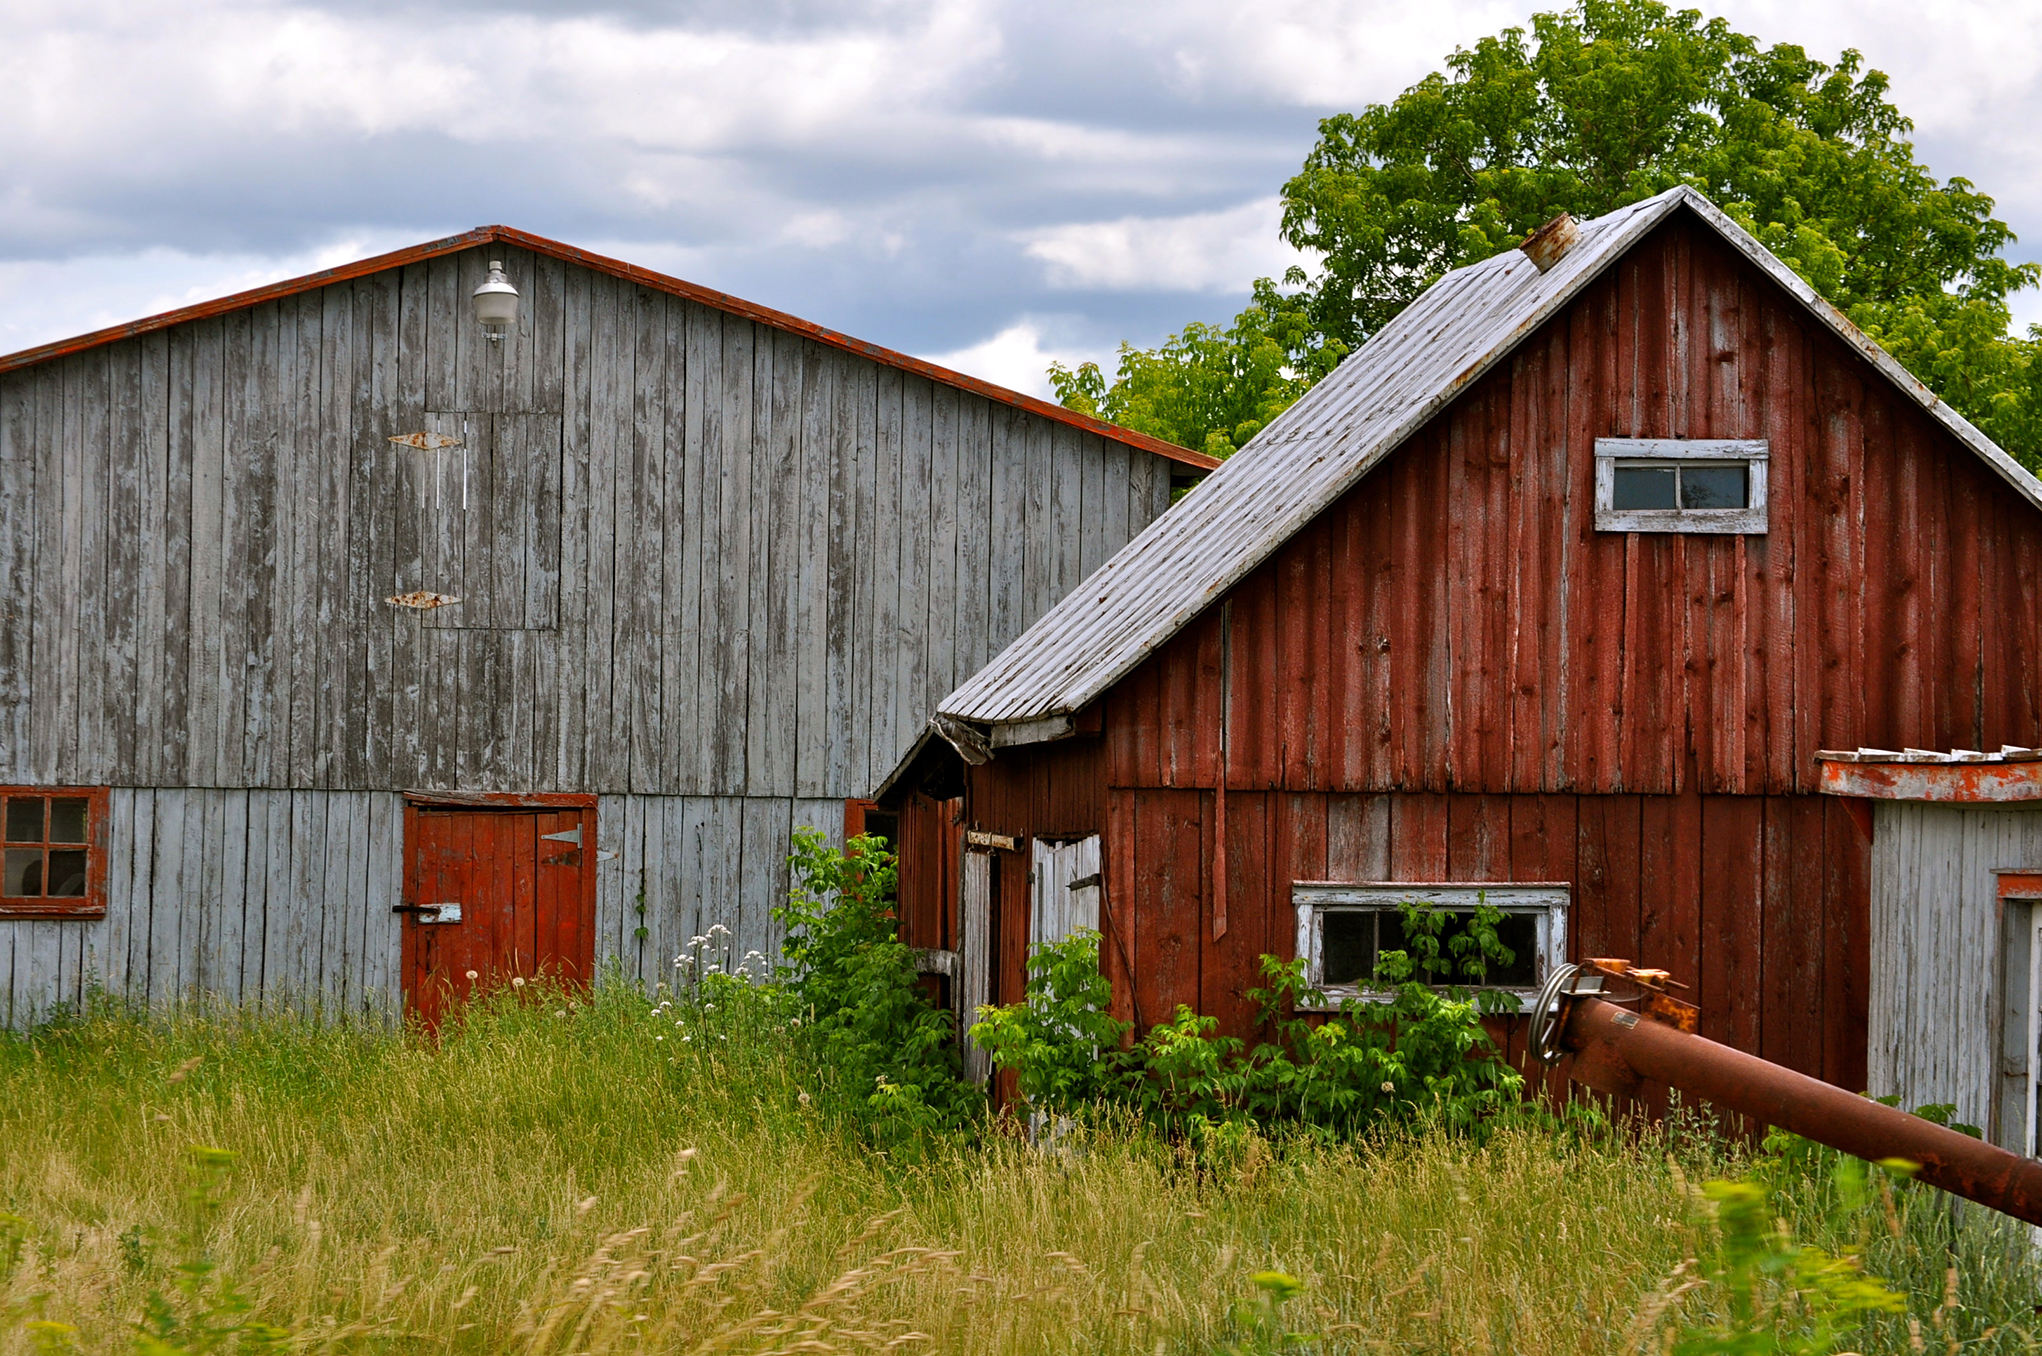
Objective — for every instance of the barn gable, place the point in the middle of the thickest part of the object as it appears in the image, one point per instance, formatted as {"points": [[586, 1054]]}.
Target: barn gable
{"points": [[1436, 350], [1393, 644], [715, 567]]}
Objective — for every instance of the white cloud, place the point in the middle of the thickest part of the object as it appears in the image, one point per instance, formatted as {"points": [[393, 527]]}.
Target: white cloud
{"points": [[1018, 359], [1201, 252]]}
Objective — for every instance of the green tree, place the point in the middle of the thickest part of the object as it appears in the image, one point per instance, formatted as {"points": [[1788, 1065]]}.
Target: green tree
{"points": [[1595, 107]]}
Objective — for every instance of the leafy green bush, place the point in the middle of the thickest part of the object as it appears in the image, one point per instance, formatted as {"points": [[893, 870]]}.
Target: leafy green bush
{"points": [[887, 1055], [1420, 1053]]}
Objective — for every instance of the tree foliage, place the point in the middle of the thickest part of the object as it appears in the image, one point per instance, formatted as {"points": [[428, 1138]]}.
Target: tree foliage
{"points": [[1593, 108]]}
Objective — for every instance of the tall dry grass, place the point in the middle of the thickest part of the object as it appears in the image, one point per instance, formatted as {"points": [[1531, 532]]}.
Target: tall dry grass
{"points": [[556, 1179]]}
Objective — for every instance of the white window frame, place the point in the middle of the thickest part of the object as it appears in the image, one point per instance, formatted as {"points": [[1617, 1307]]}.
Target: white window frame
{"points": [[1753, 453], [1547, 900]]}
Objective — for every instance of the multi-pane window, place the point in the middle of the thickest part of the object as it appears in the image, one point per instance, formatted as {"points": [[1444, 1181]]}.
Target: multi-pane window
{"points": [[52, 857], [1681, 485], [1343, 929]]}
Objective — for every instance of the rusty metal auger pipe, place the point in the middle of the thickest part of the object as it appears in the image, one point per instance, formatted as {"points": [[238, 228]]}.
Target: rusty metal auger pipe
{"points": [[1616, 1051]]}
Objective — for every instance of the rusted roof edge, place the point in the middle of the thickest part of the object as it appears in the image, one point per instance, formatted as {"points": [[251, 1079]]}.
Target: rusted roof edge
{"points": [[616, 268]]}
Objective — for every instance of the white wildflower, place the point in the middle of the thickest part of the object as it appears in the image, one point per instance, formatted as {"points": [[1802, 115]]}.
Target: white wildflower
{"points": [[473, 975], [518, 982]]}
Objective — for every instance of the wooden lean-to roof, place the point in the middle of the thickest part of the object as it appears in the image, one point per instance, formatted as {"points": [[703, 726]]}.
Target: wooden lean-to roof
{"points": [[617, 268], [1313, 453]]}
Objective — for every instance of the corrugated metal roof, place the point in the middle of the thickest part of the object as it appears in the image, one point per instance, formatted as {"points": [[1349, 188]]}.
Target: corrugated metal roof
{"points": [[616, 268], [1314, 452]]}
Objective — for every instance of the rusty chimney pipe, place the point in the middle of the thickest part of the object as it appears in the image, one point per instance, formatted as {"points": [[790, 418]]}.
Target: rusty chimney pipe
{"points": [[1549, 243], [1617, 1050]]}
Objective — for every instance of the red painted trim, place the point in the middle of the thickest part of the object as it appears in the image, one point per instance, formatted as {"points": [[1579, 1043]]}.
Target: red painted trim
{"points": [[2019, 884], [92, 904], [501, 800], [1961, 783], [616, 268]]}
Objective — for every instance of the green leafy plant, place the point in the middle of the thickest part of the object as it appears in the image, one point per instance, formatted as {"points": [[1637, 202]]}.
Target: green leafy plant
{"points": [[1260, 1320], [1417, 1053], [1060, 1040], [857, 1005]]}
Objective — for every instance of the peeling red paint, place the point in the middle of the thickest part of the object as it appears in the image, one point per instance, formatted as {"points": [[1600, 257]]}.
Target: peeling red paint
{"points": [[1952, 782]]}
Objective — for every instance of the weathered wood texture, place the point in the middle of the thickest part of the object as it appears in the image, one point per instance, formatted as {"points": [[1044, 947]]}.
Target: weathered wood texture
{"points": [[1455, 623], [240, 895], [1454, 675], [1939, 1006], [697, 555], [686, 866], [247, 895], [1756, 902]]}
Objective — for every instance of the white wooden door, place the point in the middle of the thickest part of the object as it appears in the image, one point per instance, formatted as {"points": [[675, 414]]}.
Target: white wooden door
{"points": [[974, 980], [1066, 894]]}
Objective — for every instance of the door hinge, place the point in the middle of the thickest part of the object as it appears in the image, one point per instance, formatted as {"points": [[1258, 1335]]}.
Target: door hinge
{"points": [[572, 835]]}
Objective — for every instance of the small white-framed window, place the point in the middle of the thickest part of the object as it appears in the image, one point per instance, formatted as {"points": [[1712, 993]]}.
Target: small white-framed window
{"points": [[1681, 485], [1342, 928]]}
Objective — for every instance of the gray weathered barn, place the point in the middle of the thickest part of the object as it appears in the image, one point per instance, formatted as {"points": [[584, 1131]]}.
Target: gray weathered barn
{"points": [[714, 567]]}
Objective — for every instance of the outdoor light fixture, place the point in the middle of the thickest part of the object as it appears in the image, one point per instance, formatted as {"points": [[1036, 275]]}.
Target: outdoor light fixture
{"points": [[496, 302]]}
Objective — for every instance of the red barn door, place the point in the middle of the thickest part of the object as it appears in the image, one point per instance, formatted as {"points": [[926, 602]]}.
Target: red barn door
{"points": [[497, 893]]}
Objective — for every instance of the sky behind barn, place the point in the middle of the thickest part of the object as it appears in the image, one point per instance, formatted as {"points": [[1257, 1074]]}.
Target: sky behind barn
{"points": [[986, 184]]}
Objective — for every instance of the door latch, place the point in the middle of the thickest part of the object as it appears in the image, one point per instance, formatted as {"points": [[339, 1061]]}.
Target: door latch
{"points": [[431, 913]]}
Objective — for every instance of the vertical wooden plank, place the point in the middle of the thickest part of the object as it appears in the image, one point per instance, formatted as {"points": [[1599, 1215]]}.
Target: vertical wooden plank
{"points": [[142, 899], [971, 646], [1011, 524], [1419, 824], [227, 828], [168, 894], [647, 544], [1358, 838], [680, 650], [845, 626], [108, 957], [813, 630], [121, 714], [602, 768], [1733, 870], [775, 564], [578, 559], [885, 528], [1039, 587], [731, 699], [945, 575], [18, 505], [1167, 882], [383, 869]]}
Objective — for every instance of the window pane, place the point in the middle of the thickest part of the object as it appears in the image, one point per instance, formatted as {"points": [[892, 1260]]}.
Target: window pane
{"points": [[22, 873], [67, 820], [1347, 946], [1726, 485], [1644, 487], [1517, 931], [25, 819], [67, 873]]}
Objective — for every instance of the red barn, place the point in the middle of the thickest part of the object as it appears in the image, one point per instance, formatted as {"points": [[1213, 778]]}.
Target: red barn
{"points": [[1555, 588]]}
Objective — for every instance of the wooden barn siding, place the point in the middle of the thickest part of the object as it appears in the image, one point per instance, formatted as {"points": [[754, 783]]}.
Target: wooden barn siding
{"points": [[695, 862], [1935, 939], [768, 559], [1762, 912], [286, 895], [1455, 623], [243, 895]]}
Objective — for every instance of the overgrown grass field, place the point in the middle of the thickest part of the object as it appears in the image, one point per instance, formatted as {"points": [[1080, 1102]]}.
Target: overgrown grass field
{"points": [[611, 1173]]}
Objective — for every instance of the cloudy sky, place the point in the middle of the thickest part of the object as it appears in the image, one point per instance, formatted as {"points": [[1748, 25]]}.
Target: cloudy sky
{"points": [[989, 183]]}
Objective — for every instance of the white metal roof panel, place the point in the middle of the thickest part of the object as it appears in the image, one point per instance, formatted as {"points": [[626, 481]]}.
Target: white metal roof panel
{"points": [[1315, 451]]}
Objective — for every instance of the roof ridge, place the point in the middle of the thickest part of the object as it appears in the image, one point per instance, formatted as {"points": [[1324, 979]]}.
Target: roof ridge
{"points": [[1455, 332], [539, 244]]}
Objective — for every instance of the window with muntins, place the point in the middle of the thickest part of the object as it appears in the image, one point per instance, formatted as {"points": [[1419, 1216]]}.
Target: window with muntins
{"points": [[52, 852], [1681, 485], [1343, 928]]}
